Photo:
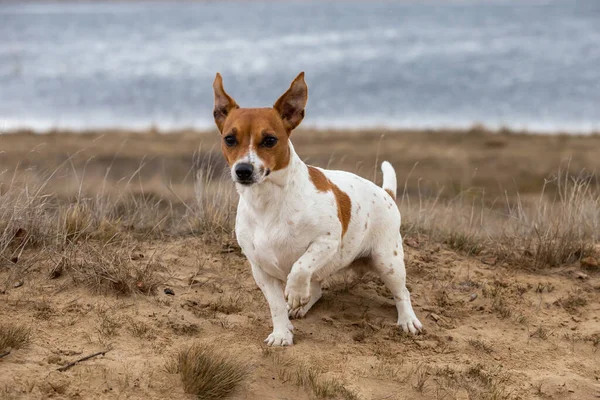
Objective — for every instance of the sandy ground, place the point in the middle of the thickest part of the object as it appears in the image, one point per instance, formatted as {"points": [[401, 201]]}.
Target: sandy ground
{"points": [[491, 331], [487, 328]]}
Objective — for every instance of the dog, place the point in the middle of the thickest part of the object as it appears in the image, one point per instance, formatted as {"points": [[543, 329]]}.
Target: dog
{"points": [[299, 224]]}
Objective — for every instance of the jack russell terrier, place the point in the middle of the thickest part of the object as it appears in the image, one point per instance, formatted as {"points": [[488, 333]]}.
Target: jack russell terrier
{"points": [[299, 224]]}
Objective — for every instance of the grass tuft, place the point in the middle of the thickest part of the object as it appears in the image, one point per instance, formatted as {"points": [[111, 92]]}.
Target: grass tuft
{"points": [[227, 304], [207, 373], [109, 268], [14, 336], [466, 242]]}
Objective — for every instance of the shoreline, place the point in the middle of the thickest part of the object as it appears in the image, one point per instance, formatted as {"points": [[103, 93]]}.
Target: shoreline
{"points": [[155, 130]]}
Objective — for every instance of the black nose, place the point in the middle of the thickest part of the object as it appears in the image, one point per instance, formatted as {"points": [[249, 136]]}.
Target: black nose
{"points": [[244, 171]]}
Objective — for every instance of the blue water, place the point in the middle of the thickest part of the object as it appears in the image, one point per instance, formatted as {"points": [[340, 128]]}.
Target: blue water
{"points": [[520, 64]]}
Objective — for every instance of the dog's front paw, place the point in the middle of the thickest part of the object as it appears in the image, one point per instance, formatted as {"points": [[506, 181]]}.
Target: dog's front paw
{"points": [[280, 338], [297, 294], [298, 313], [410, 324]]}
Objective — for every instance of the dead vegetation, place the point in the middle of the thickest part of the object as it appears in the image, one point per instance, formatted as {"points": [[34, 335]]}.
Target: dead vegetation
{"points": [[560, 227], [110, 230], [481, 345], [556, 225], [572, 302], [312, 378], [207, 373], [226, 304], [108, 268], [13, 336]]}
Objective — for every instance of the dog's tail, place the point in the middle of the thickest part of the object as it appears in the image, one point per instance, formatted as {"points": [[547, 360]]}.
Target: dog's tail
{"points": [[389, 179]]}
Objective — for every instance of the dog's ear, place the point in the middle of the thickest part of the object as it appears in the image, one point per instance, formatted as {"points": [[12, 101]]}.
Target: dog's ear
{"points": [[223, 102], [291, 104]]}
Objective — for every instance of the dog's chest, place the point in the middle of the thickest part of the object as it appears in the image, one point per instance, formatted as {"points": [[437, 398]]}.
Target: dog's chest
{"points": [[274, 245]]}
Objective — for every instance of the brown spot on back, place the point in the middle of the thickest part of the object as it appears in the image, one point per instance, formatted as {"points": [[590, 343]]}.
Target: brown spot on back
{"points": [[392, 194], [344, 204], [395, 253], [319, 179]]}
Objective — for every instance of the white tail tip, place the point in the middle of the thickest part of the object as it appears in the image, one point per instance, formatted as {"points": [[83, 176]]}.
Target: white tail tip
{"points": [[389, 178]]}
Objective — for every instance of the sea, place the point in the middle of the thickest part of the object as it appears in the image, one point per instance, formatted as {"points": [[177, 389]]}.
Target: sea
{"points": [[518, 64]]}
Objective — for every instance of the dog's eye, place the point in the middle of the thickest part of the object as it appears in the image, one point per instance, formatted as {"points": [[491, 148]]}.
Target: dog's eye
{"points": [[230, 140], [269, 141]]}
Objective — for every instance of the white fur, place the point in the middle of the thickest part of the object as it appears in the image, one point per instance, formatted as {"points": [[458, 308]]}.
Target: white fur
{"points": [[291, 234], [389, 177]]}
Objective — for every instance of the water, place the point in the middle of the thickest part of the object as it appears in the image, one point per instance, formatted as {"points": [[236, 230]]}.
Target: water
{"points": [[520, 64]]}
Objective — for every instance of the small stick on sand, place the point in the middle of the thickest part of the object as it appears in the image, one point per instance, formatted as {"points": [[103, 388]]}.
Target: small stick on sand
{"points": [[74, 363], [2, 355]]}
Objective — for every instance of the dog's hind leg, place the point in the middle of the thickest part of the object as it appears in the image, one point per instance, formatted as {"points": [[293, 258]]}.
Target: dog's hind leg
{"points": [[315, 295], [388, 262]]}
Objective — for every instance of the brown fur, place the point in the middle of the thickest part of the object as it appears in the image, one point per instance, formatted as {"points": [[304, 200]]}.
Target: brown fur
{"points": [[251, 125], [391, 193], [344, 204], [223, 102], [290, 106], [319, 179]]}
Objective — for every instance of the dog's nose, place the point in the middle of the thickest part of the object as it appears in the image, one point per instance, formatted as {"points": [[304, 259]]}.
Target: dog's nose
{"points": [[244, 171]]}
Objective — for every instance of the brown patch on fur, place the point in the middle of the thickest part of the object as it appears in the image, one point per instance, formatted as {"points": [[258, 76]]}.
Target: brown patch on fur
{"points": [[395, 253], [250, 126], [224, 103], [392, 194], [344, 204], [319, 179], [291, 104]]}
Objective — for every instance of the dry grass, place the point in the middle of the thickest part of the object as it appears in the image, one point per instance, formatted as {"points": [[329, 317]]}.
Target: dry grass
{"points": [[481, 345], [14, 336], [229, 304], [138, 329], [89, 209], [108, 323], [555, 229], [558, 225], [478, 381], [312, 378], [573, 301], [540, 333], [207, 373], [108, 268]]}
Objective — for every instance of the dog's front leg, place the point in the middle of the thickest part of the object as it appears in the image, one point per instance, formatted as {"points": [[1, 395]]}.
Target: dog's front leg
{"points": [[318, 254], [272, 289]]}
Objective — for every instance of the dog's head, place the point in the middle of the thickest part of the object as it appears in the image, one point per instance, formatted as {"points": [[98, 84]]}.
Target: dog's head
{"points": [[255, 140]]}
